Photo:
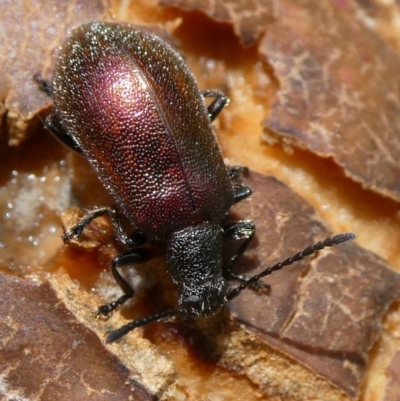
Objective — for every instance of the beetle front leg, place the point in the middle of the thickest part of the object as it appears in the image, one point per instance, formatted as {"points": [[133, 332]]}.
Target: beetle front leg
{"points": [[240, 230], [132, 241], [131, 257]]}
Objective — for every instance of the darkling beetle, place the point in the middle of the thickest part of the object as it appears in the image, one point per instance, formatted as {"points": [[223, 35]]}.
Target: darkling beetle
{"points": [[126, 100]]}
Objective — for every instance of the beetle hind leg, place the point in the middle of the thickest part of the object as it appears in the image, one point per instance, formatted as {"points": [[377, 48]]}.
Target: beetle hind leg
{"points": [[44, 85], [131, 241], [52, 122], [217, 105], [240, 192], [53, 125]]}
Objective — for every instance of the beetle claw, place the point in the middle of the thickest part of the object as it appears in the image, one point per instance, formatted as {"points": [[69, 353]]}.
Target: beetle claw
{"points": [[74, 233], [105, 310]]}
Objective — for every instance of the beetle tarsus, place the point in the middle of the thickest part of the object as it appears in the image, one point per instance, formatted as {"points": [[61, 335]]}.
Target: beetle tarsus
{"points": [[117, 334], [238, 171], [76, 231], [260, 286], [217, 105], [256, 286], [44, 85], [240, 191], [107, 309], [53, 124]]}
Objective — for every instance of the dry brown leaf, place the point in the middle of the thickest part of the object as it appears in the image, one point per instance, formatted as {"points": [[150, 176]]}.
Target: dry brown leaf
{"points": [[339, 91], [29, 35], [392, 392], [249, 18], [324, 313], [49, 355]]}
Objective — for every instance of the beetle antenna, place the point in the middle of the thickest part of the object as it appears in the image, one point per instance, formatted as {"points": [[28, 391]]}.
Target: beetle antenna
{"points": [[117, 334], [337, 239]]}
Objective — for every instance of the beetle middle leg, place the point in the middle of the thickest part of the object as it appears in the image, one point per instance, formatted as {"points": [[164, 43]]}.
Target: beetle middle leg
{"points": [[240, 191], [130, 257]]}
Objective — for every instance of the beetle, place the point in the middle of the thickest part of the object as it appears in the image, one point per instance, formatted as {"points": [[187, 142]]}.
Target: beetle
{"points": [[126, 100]]}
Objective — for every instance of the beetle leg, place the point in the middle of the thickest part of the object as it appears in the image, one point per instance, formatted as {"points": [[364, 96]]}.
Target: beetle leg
{"points": [[132, 241], [238, 171], [44, 86], [240, 192], [130, 257], [217, 105], [123, 330], [240, 230], [52, 123]]}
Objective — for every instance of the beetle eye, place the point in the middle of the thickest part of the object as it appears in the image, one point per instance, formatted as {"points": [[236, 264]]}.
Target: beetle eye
{"points": [[192, 300]]}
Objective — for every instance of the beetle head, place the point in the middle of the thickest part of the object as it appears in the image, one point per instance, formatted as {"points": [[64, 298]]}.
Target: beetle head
{"points": [[194, 260]]}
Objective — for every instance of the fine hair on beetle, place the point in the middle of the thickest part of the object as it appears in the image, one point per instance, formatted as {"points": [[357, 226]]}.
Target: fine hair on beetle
{"points": [[126, 101]]}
